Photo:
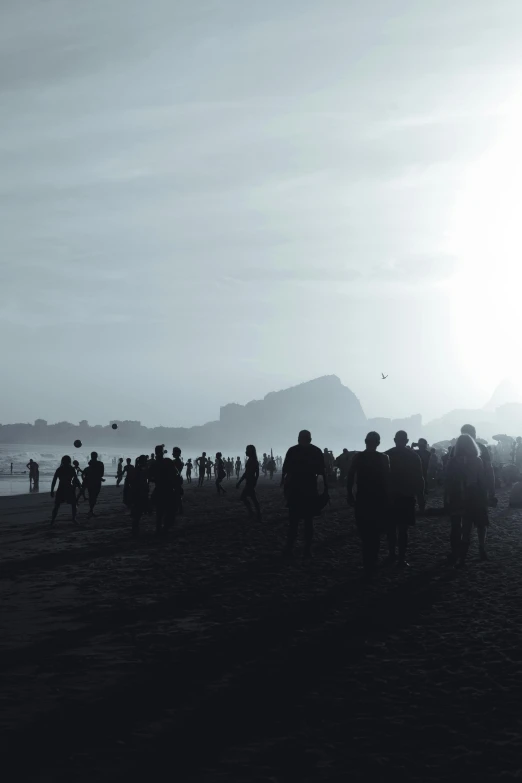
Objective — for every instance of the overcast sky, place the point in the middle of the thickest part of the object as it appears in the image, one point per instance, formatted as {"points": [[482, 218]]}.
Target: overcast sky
{"points": [[206, 200]]}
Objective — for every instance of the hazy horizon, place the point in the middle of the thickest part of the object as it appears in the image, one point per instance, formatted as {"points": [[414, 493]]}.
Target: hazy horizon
{"points": [[205, 202]]}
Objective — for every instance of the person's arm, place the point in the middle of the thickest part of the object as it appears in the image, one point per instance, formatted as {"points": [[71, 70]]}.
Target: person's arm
{"points": [[350, 481], [420, 483], [55, 479], [284, 470], [322, 472]]}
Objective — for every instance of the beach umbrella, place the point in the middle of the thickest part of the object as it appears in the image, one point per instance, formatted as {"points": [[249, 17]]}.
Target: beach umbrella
{"points": [[78, 444]]}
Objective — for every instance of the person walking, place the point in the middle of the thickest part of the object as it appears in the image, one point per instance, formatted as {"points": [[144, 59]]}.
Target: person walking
{"points": [[68, 481], [221, 473], [466, 499], [406, 488], [302, 466], [250, 477], [370, 469]]}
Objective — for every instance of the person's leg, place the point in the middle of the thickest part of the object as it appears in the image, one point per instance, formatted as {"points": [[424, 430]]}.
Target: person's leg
{"points": [[309, 534], [467, 527], [482, 532], [55, 512], [293, 524], [255, 501], [403, 542], [455, 537]]}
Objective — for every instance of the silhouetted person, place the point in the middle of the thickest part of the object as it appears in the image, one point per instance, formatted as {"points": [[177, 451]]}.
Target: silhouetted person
{"points": [[163, 473], [264, 464], [303, 464], [466, 498], [250, 477], [11, 468], [229, 467], [79, 476], [33, 471], [485, 456], [406, 487], [238, 466], [128, 472], [220, 473], [210, 465], [119, 472], [139, 489], [179, 465], [93, 478], [371, 470], [68, 481], [343, 463], [201, 464], [188, 471], [271, 466]]}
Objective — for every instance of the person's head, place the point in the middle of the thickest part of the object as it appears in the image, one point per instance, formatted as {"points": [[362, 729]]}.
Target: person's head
{"points": [[304, 438], [433, 451], [66, 460], [176, 452], [204, 454], [159, 452], [120, 459], [401, 438], [325, 451], [345, 451], [76, 463], [466, 446], [94, 455], [189, 461], [142, 460], [128, 460], [218, 455], [469, 429], [30, 462], [372, 441], [251, 452], [423, 443]]}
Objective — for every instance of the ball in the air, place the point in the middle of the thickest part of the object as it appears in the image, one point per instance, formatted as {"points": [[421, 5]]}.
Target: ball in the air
{"points": [[114, 426], [78, 444]]}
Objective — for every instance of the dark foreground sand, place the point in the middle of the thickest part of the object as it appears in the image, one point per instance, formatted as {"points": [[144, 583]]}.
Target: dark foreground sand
{"points": [[207, 658]]}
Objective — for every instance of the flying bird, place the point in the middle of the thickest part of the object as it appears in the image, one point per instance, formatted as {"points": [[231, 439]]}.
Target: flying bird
{"points": [[383, 376]]}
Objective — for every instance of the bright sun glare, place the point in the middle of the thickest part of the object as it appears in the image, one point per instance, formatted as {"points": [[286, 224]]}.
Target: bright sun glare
{"points": [[487, 240]]}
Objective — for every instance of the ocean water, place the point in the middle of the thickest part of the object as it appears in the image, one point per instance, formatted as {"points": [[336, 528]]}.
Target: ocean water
{"points": [[48, 458]]}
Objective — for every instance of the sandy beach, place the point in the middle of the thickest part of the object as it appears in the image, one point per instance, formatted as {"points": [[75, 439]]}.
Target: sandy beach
{"points": [[207, 658]]}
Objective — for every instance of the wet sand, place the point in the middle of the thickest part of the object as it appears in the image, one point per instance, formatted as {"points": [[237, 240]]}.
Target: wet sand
{"points": [[207, 658]]}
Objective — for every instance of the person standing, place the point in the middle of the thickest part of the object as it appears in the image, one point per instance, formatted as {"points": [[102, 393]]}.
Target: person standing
{"points": [[33, 472], [179, 465], [201, 464], [68, 481], [250, 477], [164, 477], [188, 471], [139, 492], [221, 473], [93, 478], [370, 469], [128, 472], [485, 456], [119, 472], [302, 465], [210, 465], [406, 488], [466, 499], [238, 467]]}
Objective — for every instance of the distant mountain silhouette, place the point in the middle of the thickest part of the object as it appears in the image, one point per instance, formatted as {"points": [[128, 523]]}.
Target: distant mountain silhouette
{"points": [[507, 391], [330, 410]]}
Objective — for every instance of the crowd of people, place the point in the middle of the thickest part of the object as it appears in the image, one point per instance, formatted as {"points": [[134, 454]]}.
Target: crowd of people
{"points": [[385, 488]]}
